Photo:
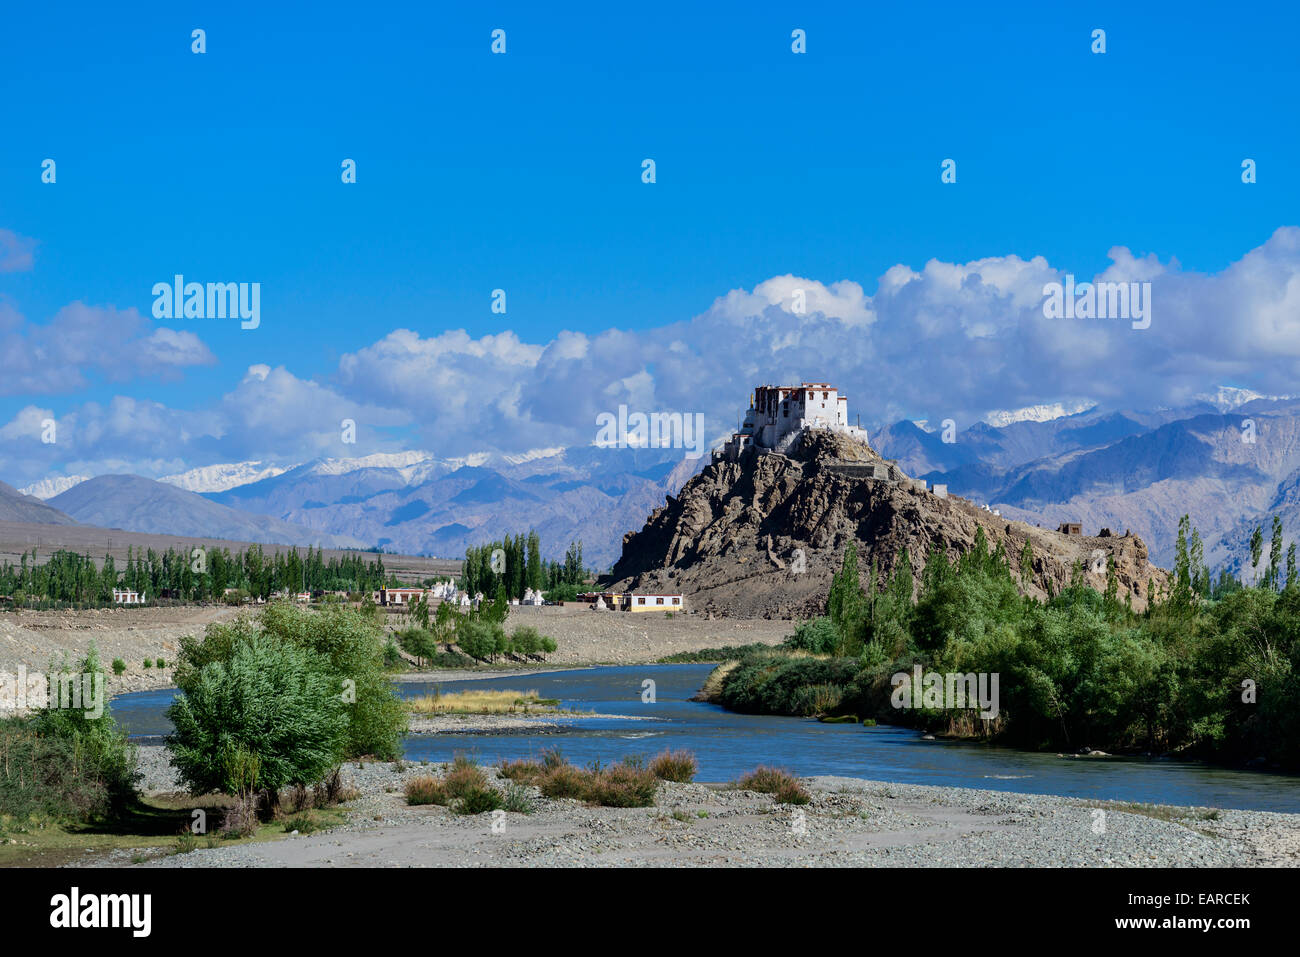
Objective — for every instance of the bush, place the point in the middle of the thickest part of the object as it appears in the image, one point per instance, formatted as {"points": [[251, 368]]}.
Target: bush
{"points": [[818, 636], [479, 638], [463, 777], [119, 666], [678, 766], [525, 641], [269, 717], [791, 792], [240, 819], [426, 789], [49, 778], [148, 663], [563, 781], [776, 683], [622, 785], [63, 763], [478, 800], [516, 799], [352, 644], [160, 663], [767, 780], [523, 771]]}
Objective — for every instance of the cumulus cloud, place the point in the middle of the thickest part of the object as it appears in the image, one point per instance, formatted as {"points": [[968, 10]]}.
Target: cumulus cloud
{"points": [[16, 252], [945, 340], [117, 344]]}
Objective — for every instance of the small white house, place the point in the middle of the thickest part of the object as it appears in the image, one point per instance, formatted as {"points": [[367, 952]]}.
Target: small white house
{"points": [[655, 603], [122, 596]]}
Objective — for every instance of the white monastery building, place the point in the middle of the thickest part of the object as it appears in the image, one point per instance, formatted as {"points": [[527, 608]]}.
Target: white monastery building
{"points": [[777, 414]]}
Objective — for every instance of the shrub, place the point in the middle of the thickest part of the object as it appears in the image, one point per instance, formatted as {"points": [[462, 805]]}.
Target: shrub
{"points": [[240, 819], [766, 780], [119, 666], [465, 776], [818, 636], [269, 717], [522, 771], [148, 663], [791, 792], [160, 663], [301, 823], [478, 638], [349, 646], [63, 762], [44, 776], [516, 799], [525, 641], [622, 785], [426, 789], [478, 799], [548, 645], [563, 781], [679, 766]]}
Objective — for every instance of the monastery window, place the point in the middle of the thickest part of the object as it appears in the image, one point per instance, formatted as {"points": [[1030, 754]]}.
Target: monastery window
{"points": [[659, 601]]}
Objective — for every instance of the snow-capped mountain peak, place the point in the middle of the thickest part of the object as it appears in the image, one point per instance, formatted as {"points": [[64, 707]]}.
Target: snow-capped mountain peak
{"points": [[221, 478], [1226, 397], [49, 487], [1036, 413]]}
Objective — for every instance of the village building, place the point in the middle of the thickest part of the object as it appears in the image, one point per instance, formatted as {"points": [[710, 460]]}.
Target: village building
{"points": [[631, 601], [123, 596], [397, 596]]}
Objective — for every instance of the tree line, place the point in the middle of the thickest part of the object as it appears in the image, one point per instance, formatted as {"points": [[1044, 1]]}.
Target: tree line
{"points": [[196, 574], [512, 566], [1207, 670]]}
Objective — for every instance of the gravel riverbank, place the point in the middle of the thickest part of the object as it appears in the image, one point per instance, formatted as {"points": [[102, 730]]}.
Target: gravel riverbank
{"points": [[849, 822]]}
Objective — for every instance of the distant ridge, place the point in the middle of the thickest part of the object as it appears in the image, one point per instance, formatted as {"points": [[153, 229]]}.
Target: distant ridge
{"points": [[137, 504], [17, 507]]}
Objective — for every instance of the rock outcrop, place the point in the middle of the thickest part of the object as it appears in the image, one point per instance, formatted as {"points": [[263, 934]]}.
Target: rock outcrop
{"points": [[763, 536]]}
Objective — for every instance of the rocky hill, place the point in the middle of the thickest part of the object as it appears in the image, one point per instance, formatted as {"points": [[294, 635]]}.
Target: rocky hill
{"points": [[15, 506], [763, 536]]}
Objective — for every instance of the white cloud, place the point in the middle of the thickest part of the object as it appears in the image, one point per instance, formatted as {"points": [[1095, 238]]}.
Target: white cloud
{"points": [[948, 340], [118, 344], [16, 252]]}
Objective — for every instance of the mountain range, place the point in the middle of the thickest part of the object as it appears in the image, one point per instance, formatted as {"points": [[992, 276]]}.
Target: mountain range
{"points": [[1229, 460]]}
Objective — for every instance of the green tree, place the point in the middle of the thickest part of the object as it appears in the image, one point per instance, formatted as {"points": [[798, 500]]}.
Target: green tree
{"points": [[271, 705]]}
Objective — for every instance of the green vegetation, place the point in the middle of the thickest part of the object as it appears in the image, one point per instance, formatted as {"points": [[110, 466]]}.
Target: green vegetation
{"points": [[281, 700], [782, 785], [1209, 670], [707, 655], [464, 788], [67, 578], [630, 783], [522, 569], [61, 765], [679, 766], [119, 666]]}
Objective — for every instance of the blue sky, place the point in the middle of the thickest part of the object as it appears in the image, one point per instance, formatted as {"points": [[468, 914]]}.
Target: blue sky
{"points": [[523, 172]]}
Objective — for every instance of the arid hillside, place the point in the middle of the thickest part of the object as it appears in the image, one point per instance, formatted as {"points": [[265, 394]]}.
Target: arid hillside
{"points": [[762, 537]]}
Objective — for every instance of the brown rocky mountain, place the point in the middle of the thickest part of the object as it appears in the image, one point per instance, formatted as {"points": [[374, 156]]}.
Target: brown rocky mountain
{"points": [[763, 536]]}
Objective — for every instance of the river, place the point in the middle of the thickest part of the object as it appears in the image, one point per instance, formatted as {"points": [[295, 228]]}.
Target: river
{"points": [[727, 744]]}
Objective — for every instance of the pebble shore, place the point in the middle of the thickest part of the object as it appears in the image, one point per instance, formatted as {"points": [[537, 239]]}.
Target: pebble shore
{"points": [[849, 822]]}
